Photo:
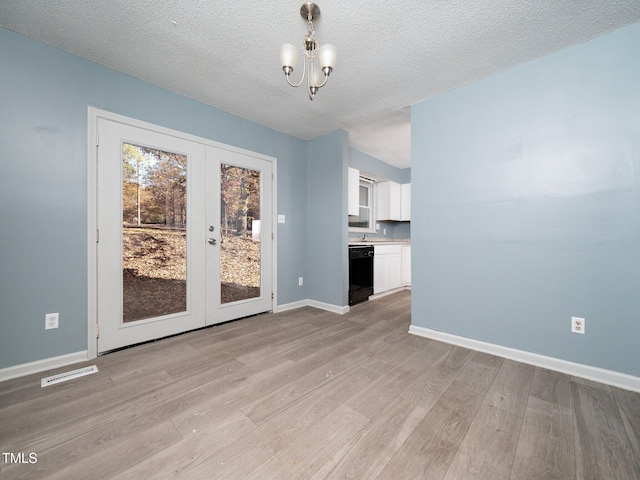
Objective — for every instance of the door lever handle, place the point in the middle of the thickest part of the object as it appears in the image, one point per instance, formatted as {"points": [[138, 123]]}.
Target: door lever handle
{"points": [[212, 241]]}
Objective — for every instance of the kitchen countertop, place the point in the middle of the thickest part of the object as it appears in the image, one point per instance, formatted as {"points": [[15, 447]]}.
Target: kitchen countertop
{"points": [[382, 241]]}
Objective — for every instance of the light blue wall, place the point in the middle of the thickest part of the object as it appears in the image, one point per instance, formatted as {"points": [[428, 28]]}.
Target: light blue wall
{"points": [[367, 163], [528, 206], [44, 95], [328, 275], [377, 168]]}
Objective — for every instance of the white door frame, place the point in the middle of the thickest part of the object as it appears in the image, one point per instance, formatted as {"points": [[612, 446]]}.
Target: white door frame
{"points": [[92, 204]]}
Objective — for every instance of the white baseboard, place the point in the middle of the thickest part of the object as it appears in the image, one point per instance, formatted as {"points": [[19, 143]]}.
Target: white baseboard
{"points": [[313, 303], [292, 306], [42, 365], [389, 292], [329, 307], [596, 374]]}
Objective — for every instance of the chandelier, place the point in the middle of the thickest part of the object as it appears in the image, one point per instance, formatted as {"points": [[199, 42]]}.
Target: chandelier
{"points": [[318, 60]]}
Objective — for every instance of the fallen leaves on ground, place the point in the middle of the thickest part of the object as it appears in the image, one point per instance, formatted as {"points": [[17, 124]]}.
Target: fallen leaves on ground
{"points": [[155, 271], [159, 253]]}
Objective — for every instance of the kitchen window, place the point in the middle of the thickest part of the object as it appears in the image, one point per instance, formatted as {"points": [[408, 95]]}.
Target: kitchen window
{"points": [[365, 221]]}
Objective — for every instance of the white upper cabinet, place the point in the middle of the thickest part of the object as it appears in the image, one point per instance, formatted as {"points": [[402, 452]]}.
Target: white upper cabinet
{"points": [[388, 196], [393, 201], [353, 189], [405, 202]]}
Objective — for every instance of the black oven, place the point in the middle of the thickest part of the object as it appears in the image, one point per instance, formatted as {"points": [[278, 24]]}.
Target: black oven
{"points": [[360, 273]]}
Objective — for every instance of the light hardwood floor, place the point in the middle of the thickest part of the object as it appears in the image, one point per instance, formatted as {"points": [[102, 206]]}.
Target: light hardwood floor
{"points": [[311, 395]]}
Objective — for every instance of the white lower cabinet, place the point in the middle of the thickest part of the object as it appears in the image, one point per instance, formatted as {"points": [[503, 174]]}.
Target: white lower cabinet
{"points": [[379, 272], [406, 265], [387, 268]]}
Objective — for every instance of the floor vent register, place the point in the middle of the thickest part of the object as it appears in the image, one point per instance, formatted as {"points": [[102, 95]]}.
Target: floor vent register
{"points": [[63, 377]]}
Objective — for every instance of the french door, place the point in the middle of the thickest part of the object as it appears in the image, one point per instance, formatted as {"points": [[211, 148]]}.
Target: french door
{"points": [[184, 234], [239, 235]]}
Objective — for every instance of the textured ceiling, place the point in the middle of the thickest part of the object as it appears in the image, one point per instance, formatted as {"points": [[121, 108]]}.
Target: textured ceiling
{"points": [[391, 53]]}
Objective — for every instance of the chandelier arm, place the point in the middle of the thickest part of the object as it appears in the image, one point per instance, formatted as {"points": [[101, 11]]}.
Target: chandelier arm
{"points": [[326, 77], [295, 84], [304, 70]]}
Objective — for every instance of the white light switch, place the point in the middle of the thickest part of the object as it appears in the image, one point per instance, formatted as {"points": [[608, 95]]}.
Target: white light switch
{"points": [[280, 218]]}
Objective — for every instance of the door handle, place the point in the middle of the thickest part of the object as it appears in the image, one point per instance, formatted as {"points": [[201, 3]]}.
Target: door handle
{"points": [[212, 241]]}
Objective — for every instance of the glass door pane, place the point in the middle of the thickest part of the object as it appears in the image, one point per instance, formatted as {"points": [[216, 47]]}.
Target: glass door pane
{"points": [[154, 232], [240, 229], [150, 269]]}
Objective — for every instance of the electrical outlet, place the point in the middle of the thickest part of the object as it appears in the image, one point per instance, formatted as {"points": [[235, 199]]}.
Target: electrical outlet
{"points": [[280, 218], [577, 325], [51, 321], [300, 281]]}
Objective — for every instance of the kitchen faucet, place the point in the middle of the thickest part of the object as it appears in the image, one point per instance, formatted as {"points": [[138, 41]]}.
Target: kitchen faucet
{"points": [[364, 237]]}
